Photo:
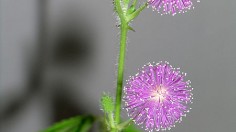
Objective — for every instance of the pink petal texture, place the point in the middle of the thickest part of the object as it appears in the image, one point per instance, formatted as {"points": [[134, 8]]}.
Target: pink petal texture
{"points": [[157, 97], [171, 6]]}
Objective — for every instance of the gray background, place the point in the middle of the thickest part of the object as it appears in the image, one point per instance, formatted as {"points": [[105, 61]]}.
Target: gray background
{"points": [[200, 42]]}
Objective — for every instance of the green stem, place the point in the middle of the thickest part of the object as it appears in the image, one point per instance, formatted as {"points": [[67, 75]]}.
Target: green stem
{"points": [[124, 27], [123, 37], [111, 119]]}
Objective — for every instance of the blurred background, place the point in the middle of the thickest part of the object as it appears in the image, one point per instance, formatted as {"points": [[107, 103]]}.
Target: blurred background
{"points": [[58, 56]]}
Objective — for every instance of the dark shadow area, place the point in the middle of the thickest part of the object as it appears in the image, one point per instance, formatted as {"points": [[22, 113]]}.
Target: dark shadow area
{"points": [[72, 46], [66, 50], [63, 105]]}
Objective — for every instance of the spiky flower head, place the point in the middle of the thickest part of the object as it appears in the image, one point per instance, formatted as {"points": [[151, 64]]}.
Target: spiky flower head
{"points": [[157, 97], [171, 6]]}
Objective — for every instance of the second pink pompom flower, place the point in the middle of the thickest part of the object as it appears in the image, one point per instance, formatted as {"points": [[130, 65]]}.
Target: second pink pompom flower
{"points": [[171, 6], [157, 97]]}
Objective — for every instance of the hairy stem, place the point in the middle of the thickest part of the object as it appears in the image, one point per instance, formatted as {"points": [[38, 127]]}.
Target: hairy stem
{"points": [[111, 119], [123, 37], [124, 27]]}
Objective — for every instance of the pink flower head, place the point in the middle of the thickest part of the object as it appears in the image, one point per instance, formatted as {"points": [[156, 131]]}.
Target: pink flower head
{"points": [[171, 6], [157, 97]]}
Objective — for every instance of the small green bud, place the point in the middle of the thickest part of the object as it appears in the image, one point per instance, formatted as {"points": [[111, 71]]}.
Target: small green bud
{"points": [[131, 9], [107, 103]]}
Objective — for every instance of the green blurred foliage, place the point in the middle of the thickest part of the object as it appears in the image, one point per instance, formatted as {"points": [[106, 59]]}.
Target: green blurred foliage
{"points": [[74, 124]]}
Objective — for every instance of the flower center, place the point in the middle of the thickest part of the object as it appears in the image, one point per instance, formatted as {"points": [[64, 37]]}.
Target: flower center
{"points": [[159, 94]]}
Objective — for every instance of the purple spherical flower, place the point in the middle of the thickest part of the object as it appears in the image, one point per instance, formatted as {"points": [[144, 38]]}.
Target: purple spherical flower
{"points": [[157, 97], [171, 6]]}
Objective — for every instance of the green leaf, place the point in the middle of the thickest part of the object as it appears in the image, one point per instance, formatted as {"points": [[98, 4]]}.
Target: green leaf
{"points": [[74, 124], [131, 128]]}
